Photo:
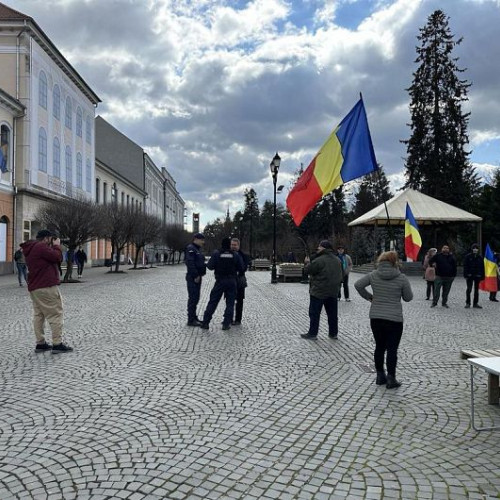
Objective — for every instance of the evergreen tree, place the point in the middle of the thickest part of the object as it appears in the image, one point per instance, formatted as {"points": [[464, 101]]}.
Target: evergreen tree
{"points": [[437, 162], [373, 190]]}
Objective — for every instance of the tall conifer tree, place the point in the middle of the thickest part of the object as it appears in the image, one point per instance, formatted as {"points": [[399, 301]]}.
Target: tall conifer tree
{"points": [[437, 162]]}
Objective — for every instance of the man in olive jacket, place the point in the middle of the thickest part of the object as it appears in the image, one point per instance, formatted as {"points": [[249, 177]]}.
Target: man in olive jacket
{"points": [[325, 278]]}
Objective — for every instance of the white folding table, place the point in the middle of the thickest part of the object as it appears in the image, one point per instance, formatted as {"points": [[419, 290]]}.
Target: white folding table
{"points": [[490, 366]]}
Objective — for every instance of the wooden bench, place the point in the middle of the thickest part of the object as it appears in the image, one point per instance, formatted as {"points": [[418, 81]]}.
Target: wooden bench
{"points": [[493, 382], [258, 264], [293, 273]]}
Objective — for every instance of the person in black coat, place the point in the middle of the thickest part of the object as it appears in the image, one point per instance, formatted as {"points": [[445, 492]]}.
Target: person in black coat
{"points": [[226, 265], [81, 259], [241, 282], [473, 273], [195, 263], [446, 270]]}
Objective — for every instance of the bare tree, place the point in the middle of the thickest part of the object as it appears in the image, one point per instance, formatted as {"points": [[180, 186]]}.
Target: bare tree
{"points": [[118, 227], [176, 238], [147, 230], [76, 222]]}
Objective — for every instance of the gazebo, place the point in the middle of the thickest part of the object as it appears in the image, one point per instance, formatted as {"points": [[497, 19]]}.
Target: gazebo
{"points": [[427, 212]]}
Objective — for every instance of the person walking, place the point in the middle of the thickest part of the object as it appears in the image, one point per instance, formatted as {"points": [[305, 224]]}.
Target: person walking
{"points": [[388, 286], [429, 273], [446, 270], [43, 258], [22, 270], [196, 269], [241, 281], [346, 262], [81, 259], [325, 277], [226, 265], [474, 274]]}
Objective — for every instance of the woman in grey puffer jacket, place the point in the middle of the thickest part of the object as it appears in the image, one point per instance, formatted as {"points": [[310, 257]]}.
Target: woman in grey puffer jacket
{"points": [[389, 286]]}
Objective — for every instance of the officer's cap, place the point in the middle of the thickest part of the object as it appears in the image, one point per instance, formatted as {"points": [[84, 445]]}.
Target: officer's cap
{"points": [[199, 236]]}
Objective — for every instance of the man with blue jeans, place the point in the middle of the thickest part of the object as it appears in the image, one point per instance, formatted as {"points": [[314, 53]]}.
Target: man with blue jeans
{"points": [[325, 277], [446, 270]]}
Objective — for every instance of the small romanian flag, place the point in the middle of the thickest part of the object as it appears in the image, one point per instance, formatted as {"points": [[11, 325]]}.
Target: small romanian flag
{"points": [[413, 241], [490, 282], [346, 155]]}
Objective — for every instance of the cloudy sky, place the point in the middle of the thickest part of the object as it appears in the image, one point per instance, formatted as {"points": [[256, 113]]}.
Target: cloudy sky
{"points": [[213, 88]]}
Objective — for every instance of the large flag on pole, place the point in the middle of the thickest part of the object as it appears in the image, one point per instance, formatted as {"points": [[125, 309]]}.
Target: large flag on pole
{"points": [[490, 282], [413, 241], [346, 155]]}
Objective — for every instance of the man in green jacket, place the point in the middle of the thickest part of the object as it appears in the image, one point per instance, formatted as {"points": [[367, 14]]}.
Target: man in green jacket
{"points": [[325, 278]]}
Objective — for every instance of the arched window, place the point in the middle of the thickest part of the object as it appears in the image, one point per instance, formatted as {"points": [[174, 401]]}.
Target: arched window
{"points": [[88, 131], [79, 122], [68, 114], [79, 171], [69, 165], [56, 102], [56, 158], [4, 148], [88, 175], [42, 150], [42, 90]]}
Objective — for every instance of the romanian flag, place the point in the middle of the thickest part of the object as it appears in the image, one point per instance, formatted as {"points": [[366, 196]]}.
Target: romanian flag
{"points": [[346, 155], [490, 282], [413, 241]]}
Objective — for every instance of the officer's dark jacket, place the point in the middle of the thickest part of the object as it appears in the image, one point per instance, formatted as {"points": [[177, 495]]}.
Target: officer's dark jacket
{"points": [[474, 266], [195, 261], [226, 264]]}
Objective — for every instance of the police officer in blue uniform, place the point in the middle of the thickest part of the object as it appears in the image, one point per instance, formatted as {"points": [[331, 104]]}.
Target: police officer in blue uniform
{"points": [[196, 268], [226, 265]]}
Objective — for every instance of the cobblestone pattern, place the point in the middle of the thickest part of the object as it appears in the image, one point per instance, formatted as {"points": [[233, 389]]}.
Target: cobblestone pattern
{"points": [[148, 408]]}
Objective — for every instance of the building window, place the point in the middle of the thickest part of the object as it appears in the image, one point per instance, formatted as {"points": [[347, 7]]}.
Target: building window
{"points": [[97, 189], [128, 200], [56, 158], [56, 102], [114, 194], [42, 150], [104, 193], [123, 198], [69, 165], [79, 171], [68, 114], [42, 90], [4, 149], [26, 230], [88, 131], [88, 175], [79, 122]]}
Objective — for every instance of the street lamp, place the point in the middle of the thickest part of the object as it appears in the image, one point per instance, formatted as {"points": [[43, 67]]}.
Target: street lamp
{"points": [[252, 206], [274, 166]]}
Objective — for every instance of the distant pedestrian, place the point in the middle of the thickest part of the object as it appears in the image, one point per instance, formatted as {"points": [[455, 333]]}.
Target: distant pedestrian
{"points": [[43, 257], [226, 264], [429, 273], [388, 286], [22, 270], [81, 259], [493, 295], [241, 281], [346, 262], [196, 269], [446, 270], [325, 277], [473, 274]]}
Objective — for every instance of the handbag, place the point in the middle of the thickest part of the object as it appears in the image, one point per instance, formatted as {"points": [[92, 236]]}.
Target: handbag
{"points": [[241, 281], [430, 274]]}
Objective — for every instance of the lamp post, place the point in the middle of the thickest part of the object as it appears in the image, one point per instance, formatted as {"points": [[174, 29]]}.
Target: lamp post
{"points": [[252, 205], [274, 166]]}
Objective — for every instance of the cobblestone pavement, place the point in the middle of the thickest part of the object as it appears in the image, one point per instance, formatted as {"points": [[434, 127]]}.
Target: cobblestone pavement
{"points": [[148, 408]]}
